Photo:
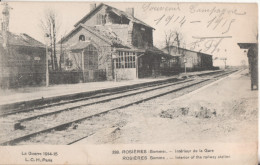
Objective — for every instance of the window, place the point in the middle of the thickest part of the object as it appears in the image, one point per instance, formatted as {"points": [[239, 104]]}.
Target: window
{"points": [[81, 38], [91, 58], [173, 60], [125, 60], [101, 19]]}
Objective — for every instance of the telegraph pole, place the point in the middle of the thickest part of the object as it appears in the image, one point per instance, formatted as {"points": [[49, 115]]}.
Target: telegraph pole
{"points": [[114, 57], [83, 65], [185, 61], [5, 23], [47, 64]]}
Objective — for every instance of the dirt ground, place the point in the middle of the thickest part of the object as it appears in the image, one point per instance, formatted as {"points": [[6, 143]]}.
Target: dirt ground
{"points": [[226, 111]]}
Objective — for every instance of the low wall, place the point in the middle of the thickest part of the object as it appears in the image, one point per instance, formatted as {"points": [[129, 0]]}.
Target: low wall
{"points": [[125, 73]]}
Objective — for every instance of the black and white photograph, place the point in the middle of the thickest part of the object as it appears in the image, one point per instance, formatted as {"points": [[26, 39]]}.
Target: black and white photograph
{"points": [[90, 82]]}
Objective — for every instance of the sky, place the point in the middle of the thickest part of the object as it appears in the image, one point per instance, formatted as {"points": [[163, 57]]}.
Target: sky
{"points": [[212, 28]]}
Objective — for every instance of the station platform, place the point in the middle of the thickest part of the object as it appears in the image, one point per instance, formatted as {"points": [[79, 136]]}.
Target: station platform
{"points": [[221, 112], [35, 94]]}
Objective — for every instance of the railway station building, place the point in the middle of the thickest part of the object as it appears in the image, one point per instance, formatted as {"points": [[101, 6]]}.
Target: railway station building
{"points": [[109, 44]]}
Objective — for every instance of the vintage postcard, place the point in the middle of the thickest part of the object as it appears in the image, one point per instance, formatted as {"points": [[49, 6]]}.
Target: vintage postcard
{"points": [[91, 83]]}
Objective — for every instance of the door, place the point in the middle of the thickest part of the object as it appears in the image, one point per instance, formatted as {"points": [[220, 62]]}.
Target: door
{"points": [[90, 62]]}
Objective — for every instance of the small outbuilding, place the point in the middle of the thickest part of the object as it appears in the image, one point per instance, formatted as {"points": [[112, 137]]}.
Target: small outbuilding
{"points": [[252, 55], [22, 60], [192, 60]]}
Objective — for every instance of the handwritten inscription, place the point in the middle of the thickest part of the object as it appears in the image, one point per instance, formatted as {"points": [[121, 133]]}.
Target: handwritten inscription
{"points": [[212, 18], [205, 44], [214, 10], [220, 21], [171, 18], [153, 7]]}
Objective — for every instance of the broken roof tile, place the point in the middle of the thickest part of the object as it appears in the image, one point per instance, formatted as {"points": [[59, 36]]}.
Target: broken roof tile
{"points": [[116, 11]]}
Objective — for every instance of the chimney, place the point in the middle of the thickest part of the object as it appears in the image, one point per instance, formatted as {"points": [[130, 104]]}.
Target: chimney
{"points": [[130, 11], [92, 6]]}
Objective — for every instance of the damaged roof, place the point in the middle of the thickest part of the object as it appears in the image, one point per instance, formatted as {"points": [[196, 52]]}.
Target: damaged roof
{"points": [[106, 34], [21, 40], [114, 10]]}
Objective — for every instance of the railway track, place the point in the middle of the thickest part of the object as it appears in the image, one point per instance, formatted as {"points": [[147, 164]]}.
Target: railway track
{"points": [[37, 123], [151, 87], [63, 102]]}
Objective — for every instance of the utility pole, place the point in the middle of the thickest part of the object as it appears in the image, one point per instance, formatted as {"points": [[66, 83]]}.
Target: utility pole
{"points": [[178, 41], [114, 60], [61, 53], [225, 59], [114, 57], [185, 61], [83, 65], [47, 63], [5, 23]]}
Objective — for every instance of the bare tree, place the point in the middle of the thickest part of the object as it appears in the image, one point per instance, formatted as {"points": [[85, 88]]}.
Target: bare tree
{"points": [[173, 38], [178, 39], [62, 50], [50, 25]]}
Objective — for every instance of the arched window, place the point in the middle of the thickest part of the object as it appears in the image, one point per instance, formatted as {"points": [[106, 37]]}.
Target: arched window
{"points": [[81, 38], [91, 58]]}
